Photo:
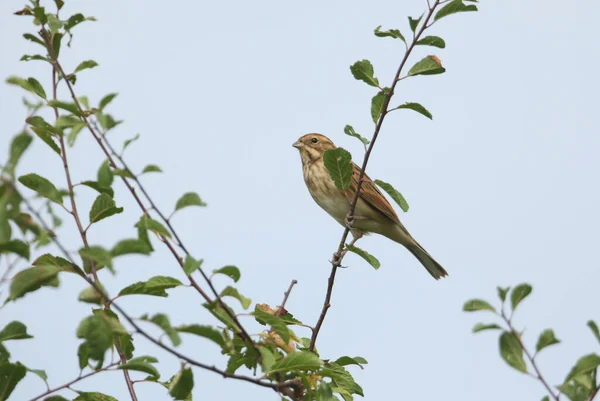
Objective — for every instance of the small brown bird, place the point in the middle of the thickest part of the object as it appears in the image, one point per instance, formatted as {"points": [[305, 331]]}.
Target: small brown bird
{"points": [[373, 213]]}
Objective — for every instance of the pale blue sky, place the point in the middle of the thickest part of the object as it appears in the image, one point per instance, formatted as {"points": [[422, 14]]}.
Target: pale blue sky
{"points": [[502, 183]]}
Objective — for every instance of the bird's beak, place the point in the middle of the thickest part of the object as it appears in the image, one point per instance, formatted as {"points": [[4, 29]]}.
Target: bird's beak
{"points": [[298, 144]]}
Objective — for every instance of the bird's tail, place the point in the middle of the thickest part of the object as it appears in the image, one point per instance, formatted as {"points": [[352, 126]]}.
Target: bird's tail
{"points": [[433, 267]]}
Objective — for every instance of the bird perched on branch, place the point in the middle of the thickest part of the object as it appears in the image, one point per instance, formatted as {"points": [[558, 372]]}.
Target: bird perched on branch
{"points": [[373, 213]]}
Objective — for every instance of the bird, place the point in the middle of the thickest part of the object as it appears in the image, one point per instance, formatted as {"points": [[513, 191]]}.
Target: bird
{"points": [[373, 212]]}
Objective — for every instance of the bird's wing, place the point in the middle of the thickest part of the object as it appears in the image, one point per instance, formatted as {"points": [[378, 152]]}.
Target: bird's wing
{"points": [[371, 194]]}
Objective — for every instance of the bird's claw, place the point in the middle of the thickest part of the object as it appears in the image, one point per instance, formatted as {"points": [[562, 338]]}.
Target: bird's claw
{"points": [[349, 221]]}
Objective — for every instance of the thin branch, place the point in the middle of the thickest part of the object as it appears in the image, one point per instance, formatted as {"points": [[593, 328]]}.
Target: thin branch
{"points": [[66, 385], [339, 254], [286, 295]]}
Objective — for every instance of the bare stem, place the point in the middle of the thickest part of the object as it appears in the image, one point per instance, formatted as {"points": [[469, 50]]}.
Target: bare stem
{"points": [[339, 254], [286, 295]]}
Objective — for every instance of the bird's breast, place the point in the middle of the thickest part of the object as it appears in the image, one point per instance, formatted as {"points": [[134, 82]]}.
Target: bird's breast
{"points": [[323, 190]]}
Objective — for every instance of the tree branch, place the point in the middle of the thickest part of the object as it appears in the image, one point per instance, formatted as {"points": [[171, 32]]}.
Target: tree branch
{"points": [[286, 295], [336, 262]]}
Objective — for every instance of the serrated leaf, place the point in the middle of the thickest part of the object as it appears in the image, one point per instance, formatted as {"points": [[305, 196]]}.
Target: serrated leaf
{"points": [[15, 330], [348, 130], [346, 360], [267, 358], [339, 164], [511, 351], [394, 194], [434, 41], [151, 168], [142, 364], [502, 293], [391, 33], [455, 6], [191, 265], [42, 186], [276, 323], [416, 107], [162, 321], [99, 255], [39, 57], [11, 374], [594, 327], [153, 225], [18, 146], [70, 107], [106, 100], [34, 39], [518, 294], [220, 313], [94, 396], [546, 339], [16, 246], [473, 305], [430, 65], [585, 364], [155, 286], [372, 260], [123, 173], [363, 71], [39, 373], [302, 360], [105, 175], [32, 279], [85, 65], [233, 292], [54, 23], [189, 199], [377, 106], [91, 296], [104, 206], [95, 185], [130, 246], [230, 271], [46, 136], [481, 327], [182, 384], [414, 23], [203, 331]]}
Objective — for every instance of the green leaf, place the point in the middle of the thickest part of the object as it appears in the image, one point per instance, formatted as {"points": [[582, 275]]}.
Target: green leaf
{"points": [[594, 327], [70, 107], [105, 175], [4, 354], [127, 142], [303, 360], [189, 199], [325, 393], [276, 323], [233, 292], [98, 333], [130, 246], [149, 224], [45, 136], [54, 23], [16, 246], [151, 168], [414, 23], [107, 121], [203, 331], [391, 33], [473, 305], [585, 364], [346, 360], [182, 384], [55, 398], [430, 65], [416, 107], [481, 327], [377, 106], [56, 41], [155, 286], [40, 373], [395, 195], [123, 173], [34, 39], [94, 396], [221, 313], [455, 6], [40, 15], [339, 164], [267, 358], [142, 364], [342, 381], [19, 144], [518, 294], [104, 206], [106, 100], [95, 185], [91, 296], [75, 130], [434, 41], [37, 121], [511, 351], [5, 228], [546, 339], [14, 331], [30, 84], [59, 4], [348, 130], [85, 65], [162, 321], [27, 57], [42, 186], [191, 265], [230, 271], [99, 255], [74, 20], [363, 71], [32, 279], [502, 293], [372, 260], [10, 375]]}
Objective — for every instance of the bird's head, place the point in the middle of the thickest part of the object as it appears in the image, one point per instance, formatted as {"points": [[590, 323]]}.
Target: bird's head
{"points": [[312, 147]]}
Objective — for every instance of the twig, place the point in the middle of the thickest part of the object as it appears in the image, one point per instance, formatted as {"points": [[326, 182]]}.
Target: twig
{"points": [[339, 254], [66, 385], [286, 295]]}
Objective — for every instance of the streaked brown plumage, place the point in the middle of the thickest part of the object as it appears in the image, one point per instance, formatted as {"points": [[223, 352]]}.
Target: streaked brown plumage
{"points": [[373, 213]]}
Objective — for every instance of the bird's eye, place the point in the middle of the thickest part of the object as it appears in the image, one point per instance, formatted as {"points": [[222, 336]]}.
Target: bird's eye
{"points": [[314, 140]]}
